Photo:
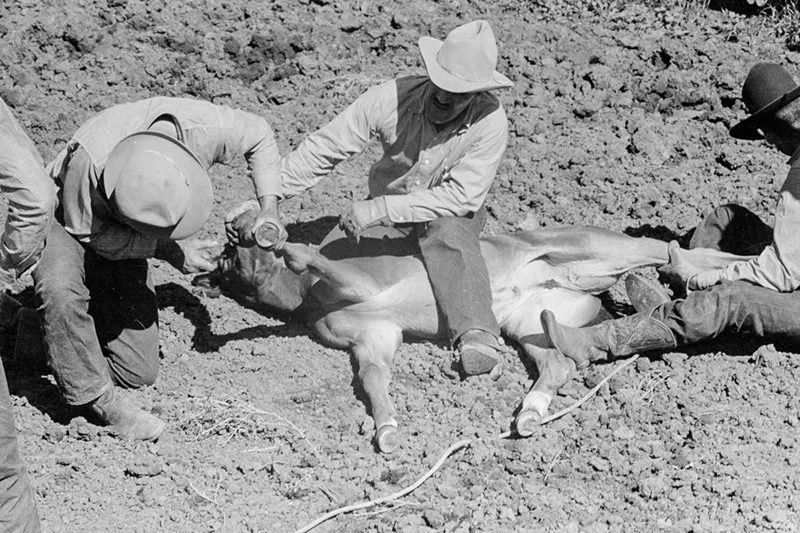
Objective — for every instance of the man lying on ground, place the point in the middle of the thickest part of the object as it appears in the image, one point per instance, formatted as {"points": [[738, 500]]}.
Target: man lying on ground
{"points": [[757, 295]]}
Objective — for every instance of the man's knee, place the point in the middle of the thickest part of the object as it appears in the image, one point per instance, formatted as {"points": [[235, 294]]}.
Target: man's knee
{"points": [[143, 374]]}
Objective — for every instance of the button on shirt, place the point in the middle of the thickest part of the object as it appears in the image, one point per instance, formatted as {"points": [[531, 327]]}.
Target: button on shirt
{"points": [[31, 196], [216, 134], [424, 174], [778, 265]]}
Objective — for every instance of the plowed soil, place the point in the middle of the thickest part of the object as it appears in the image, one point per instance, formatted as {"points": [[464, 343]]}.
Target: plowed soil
{"points": [[619, 119]]}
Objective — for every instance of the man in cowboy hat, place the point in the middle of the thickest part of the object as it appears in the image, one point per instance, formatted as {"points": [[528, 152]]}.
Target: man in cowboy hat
{"points": [[133, 186], [31, 199], [443, 136], [758, 294]]}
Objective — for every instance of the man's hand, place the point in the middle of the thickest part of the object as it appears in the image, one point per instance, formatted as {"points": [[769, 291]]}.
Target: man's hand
{"points": [[364, 214], [241, 231], [198, 255], [679, 271], [189, 256]]}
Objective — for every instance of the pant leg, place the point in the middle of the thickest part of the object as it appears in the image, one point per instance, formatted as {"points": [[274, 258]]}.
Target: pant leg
{"points": [[125, 312], [732, 228], [457, 272], [73, 349], [736, 306], [17, 507]]}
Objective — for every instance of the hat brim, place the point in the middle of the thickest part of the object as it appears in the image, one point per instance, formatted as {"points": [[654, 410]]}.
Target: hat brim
{"points": [[429, 47], [200, 192], [748, 129]]}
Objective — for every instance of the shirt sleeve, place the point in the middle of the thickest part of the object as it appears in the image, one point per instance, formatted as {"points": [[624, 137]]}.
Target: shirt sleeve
{"points": [[248, 135], [463, 188], [115, 241], [31, 197], [778, 265], [346, 135]]}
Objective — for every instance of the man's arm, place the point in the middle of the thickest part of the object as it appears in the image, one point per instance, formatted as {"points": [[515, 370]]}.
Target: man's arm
{"points": [[31, 197], [778, 266], [346, 135], [243, 134], [464, 187]]}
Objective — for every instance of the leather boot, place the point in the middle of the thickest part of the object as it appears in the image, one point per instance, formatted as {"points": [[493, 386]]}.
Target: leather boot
{"points": [[645, 294], [479, 352], [127, 420], [623, 336]]}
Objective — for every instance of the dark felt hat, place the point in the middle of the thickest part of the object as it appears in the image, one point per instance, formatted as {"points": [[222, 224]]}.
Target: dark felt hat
{"points": [[767, 89]]}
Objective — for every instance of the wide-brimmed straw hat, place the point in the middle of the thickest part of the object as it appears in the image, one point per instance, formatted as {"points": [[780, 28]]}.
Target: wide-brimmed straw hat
{"points": [[767, 89], [465, 62], [157, 185]]}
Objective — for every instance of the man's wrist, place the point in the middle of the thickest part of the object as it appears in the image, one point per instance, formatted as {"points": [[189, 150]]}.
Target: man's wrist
{"points": [[268, 202]]}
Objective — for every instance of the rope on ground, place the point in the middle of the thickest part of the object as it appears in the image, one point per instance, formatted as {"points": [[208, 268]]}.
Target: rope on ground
{"points": [[399, 494], [583, 400]]}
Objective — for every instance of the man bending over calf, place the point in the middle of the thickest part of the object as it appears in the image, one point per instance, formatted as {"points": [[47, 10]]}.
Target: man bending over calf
{"points": [[443, 136], [133, 186], [758, 295]]}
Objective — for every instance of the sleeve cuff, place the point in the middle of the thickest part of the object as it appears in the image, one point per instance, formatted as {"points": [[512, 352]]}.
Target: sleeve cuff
{"points": [[398, 209]]}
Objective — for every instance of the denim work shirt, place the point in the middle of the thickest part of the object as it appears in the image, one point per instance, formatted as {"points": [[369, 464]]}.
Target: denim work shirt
{"points": [[424, 174], [215, 133], [778, 265], [31, 197]]}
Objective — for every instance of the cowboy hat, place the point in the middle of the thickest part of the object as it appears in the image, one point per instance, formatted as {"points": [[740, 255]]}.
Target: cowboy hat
{"points": [[465, 62], [767, 88], [157, 185]]}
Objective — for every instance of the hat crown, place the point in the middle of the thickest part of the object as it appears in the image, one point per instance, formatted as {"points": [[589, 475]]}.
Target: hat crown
{"points": [[469, 52], [765, 83], [154, 192], [157, 185]]}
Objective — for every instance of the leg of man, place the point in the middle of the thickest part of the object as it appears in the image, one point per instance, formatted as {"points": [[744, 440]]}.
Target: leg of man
{"points": [[736, 306], [125, 312], [73, 350], [703, 315], [732, 228], [457, 271], [17, 507]]}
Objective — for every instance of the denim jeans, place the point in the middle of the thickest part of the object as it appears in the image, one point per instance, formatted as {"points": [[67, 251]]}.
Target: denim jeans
{"points": [[450, 250], [100, 319], [17, 506], [733, 306]]}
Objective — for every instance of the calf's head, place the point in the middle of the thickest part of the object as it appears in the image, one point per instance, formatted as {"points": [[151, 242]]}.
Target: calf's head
{"points": [[256, 277]]}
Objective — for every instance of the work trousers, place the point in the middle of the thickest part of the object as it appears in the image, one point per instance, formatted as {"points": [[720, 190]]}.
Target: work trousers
{"points": [[450, 250], [733, 306], [17, 506], [100, 319]]}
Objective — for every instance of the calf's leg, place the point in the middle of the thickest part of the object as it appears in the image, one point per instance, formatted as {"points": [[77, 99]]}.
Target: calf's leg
{"points": [[349, 282], [554, 371], [374, 349]]}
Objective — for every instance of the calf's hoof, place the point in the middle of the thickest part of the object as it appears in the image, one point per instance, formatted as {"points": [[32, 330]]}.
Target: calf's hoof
{"points": [[527, 422], [387, 438]]}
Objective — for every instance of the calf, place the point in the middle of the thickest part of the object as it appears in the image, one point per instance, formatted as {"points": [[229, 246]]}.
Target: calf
{"points": [[365, 296]]}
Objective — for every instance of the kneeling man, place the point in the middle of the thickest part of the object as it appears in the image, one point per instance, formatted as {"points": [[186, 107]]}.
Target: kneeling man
{"points": [[133, 186]]}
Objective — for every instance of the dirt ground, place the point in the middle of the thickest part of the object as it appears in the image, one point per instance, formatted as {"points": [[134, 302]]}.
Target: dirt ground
{"points": [[618, 118]]}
